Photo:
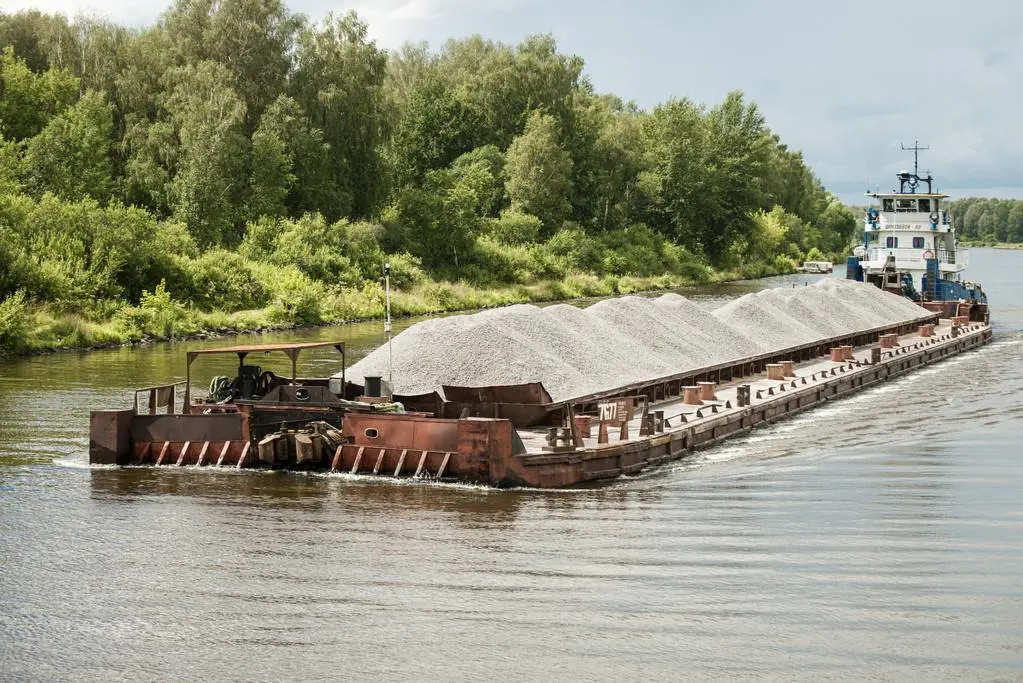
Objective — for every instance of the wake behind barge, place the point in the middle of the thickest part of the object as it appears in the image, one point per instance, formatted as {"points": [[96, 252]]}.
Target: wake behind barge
{"points": [[507, 436]]}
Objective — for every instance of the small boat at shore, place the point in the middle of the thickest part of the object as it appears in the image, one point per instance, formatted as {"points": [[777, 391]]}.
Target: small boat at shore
{"points": [[817, 267]]}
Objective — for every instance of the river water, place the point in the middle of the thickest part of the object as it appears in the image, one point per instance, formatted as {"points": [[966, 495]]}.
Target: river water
{"points": [[879, 537]]}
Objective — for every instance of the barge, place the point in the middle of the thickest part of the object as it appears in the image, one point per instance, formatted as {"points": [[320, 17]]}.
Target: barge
{"points": [[505, 436]]}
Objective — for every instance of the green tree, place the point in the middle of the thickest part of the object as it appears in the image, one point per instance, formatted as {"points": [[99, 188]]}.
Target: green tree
{"points": [[971, 219], [271, 178], [678, 177], [619, 157], [539, 172], [253, 39], [290, 173], [436, 222], [71, 157], [10, 167], [738, 153], [210, 181], [482, 169], [1014, 231], [434, 129], [338, 82], [837, 226], [44, 41], [987, 225], [506, 84], [27, 100]]}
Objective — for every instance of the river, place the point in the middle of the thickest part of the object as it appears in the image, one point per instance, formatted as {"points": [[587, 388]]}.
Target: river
{"points": [[879, 537]]}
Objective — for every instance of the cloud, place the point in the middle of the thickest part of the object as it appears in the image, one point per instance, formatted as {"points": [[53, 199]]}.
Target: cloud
{"points": [[130, 14], [394, 22]]}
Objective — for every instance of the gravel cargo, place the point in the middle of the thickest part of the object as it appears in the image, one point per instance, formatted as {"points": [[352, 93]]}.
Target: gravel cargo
{"points": [[578, 351]]}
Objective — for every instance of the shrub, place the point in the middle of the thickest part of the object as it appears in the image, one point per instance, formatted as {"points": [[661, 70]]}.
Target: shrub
{"points": [[157, 315], [515, 227], [224, 279], [497, 263], [13, 323], [297, 299], [406, 270], [579, 251], [260, 240], [815, 254]]}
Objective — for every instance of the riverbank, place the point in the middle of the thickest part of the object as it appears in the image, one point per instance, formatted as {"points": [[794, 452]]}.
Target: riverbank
{"points": [[992, 245], [29, 328]]}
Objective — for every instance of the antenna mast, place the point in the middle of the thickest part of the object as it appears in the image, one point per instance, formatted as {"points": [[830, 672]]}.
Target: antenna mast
{"points": [[916, 149]]}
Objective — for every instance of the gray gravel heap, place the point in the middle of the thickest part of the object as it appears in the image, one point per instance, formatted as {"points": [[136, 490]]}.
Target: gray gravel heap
{"points": [[726, 339], [767, 324], [579, 351]]}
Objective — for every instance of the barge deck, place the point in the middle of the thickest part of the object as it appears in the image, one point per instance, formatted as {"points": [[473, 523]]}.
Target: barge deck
{"points": [[667, 430], [593, 439]]}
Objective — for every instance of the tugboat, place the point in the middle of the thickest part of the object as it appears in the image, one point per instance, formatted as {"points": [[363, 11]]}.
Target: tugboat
{"points": [[909, 246]]}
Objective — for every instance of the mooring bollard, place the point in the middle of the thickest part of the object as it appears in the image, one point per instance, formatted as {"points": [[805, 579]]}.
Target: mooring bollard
{"points": [[774, 371], [837, 354], [691, 396], [706, 391], [786, 369]]}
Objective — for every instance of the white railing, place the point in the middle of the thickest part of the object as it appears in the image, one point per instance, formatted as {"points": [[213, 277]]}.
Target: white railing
{"points": [[914, 258], [959, 256]]}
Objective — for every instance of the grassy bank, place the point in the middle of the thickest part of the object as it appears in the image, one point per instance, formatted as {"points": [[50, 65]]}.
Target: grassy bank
{"points": [[27, 327], [993, 244]]}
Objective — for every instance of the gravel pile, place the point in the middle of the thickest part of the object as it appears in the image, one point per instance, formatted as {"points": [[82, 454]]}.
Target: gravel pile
{"points": [[832, 309], [470, 350], [730, 341], [769, 326], [794, 305], [579, 351], [618, 353], [653, 327]]}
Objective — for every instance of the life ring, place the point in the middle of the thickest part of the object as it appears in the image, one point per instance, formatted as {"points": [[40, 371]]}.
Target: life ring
{"points": [[927, 255], [934, 217]]}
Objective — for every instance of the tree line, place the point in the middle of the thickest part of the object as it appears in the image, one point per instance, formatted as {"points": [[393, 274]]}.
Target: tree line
{"points": [[988, 220], [235, 153]]}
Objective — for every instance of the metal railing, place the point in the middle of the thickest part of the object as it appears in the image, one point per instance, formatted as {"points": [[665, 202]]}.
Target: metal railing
{"points": [[915, 257]]}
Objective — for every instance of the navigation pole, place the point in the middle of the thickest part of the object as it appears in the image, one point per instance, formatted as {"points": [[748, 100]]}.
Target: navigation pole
{"points": [[916, 149]]}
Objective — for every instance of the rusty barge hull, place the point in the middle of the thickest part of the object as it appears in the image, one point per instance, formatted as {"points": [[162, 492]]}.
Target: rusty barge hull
{"points": [[711, 424], [501, 452]]}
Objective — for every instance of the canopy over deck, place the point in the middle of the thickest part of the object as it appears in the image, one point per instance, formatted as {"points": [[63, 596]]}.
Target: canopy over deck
{"points": [[290, 350]]}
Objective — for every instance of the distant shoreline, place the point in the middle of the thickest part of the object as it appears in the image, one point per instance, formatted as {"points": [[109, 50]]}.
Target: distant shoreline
{"points": [[994, 245]]}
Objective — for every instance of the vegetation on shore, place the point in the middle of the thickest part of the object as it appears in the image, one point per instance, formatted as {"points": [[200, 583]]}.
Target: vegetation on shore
{"points": [[989, 222], [192, 177]]}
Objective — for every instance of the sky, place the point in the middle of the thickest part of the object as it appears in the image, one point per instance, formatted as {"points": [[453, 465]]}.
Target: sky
{"points": [[845, 83]]}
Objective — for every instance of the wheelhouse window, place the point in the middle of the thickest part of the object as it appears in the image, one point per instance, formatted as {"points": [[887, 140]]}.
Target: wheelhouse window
{"points": [[905, 205], [918, 242], [887, 204], [892, 242], [924, 204]]}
